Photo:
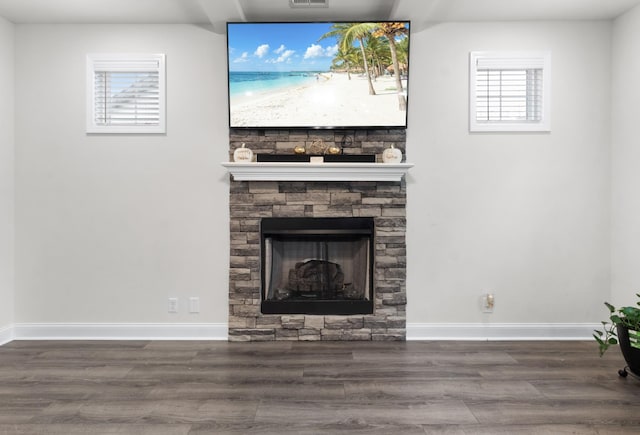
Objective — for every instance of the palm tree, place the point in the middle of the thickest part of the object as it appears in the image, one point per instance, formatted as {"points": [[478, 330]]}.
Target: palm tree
{"points": [[402, 50], [391, 31], [347, 34], [378, 54], [345, 58]]}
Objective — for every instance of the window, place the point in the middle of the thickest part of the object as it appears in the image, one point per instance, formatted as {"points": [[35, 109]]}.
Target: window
{"points": [[509, 91], [125, 93]]}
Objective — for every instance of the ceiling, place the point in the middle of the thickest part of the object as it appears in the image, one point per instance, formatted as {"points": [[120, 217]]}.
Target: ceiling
{"points": [[217, 12]]}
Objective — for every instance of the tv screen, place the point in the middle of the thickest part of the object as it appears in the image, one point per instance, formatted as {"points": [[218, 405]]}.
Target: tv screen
{"points": [[318, 75]]}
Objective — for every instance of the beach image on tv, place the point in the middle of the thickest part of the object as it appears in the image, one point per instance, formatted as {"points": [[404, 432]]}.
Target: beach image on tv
{"points": [[318, 75]]}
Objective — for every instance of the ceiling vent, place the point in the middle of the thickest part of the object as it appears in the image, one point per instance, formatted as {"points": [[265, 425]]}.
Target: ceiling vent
{"points": [[309, 3]]}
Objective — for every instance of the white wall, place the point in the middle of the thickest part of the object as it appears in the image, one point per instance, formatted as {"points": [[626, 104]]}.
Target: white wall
{"points": [[6, 174], [625, 252], [109, 226], [524, 216]]}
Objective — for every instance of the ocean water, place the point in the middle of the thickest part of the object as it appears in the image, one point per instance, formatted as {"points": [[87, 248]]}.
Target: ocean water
{"points": [[241, 83]]}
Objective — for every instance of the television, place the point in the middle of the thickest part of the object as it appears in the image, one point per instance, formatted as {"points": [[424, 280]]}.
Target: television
{"points": [[318, 75]]}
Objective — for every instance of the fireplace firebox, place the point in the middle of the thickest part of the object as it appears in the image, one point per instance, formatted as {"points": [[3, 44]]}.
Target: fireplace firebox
{"points": [[317, 265]]}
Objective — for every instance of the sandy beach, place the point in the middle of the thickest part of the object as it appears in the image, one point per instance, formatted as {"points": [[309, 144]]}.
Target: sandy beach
{"points": [[331, 100]]}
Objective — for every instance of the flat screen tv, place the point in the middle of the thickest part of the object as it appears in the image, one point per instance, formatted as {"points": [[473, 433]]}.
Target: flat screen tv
{"points": [[319, 75]]}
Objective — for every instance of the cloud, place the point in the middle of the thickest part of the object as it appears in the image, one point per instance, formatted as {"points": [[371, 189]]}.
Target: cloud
{"points": [[280, 49], [243, 58], [316, 50], [331, 51], [285, 56], [262, 50]]}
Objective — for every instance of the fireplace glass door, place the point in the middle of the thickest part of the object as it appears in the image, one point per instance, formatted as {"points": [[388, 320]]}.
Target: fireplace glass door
{"points": [[317, 265]]}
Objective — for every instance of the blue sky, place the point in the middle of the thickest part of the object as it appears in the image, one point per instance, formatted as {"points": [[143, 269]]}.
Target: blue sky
{"points": [[280, 47]]}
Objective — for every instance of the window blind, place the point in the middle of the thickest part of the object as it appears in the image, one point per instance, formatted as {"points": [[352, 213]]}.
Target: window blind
{"points": [[126, 98], [128, 94], [509, 95], [509, 91]]}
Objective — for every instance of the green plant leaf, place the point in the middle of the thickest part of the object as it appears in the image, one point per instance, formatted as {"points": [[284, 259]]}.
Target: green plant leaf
{"points": [[628, 317]]}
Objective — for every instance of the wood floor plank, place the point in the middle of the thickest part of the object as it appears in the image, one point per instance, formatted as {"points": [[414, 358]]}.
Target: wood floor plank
{"points": [[292, 390], [469, 358], [432, 412], [617, 389], [301, 428], [519, 429], [62, 371], [154, 411], [389, 370], [16, 410], [95, 429], [556, 412], [615, 429], [440, 389], [193, 373], [76, 344]]}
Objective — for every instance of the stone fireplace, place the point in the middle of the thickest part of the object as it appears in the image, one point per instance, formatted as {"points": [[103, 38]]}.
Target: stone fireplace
{"points": [[324, 277]]}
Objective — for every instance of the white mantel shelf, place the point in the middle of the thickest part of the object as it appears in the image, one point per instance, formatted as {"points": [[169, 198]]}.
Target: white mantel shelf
{"points": [[290, 171]]}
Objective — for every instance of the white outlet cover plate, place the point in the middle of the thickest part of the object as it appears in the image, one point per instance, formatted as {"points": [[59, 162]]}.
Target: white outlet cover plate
{"points": [[194, 305]]}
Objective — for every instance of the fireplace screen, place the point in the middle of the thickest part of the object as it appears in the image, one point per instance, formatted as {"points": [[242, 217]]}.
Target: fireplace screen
{"points": [[317, 265]]}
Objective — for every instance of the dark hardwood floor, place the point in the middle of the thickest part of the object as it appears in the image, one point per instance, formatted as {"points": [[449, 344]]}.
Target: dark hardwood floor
{"points": [[159, 387]]}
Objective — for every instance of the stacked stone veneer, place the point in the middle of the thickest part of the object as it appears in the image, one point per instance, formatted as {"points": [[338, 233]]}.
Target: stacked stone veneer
{"points": [[253, 200]]}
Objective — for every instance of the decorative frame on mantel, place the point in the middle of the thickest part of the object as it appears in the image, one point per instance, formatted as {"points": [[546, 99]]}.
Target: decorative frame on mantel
{"points": [[295, 171]]}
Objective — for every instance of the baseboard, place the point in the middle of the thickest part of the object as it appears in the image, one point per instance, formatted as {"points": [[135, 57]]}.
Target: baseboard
{"points": [[501, 331], [219, 331], [6, 334], [120, 331]]}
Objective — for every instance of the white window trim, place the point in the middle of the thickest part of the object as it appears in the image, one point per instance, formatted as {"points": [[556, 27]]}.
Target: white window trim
{"points": [[124, 62], [506, 60]]}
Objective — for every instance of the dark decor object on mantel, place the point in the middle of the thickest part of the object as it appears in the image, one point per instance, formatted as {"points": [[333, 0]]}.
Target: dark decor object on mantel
{"points": [[329, 158], [350, 158], [282, 158]]}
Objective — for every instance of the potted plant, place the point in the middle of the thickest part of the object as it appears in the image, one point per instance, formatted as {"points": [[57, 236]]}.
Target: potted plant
{"points": [[623, 328]]}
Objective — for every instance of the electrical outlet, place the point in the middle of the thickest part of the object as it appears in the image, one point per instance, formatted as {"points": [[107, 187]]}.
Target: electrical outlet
{"points": [[194, 305], [173, 305], [488, 302]]}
